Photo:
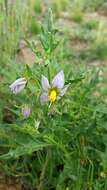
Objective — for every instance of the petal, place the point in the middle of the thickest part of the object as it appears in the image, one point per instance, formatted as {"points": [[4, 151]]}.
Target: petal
{"points": [[58, 80], [45, 83], [62, 92], [37, 124], [18, 81], [18, 85], [44, 98], [17, 89]]}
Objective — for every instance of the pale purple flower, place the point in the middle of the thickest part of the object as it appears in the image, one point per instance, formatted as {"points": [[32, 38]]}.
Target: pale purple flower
{"points": [[18, 85], [55, 90], [26, 110]]}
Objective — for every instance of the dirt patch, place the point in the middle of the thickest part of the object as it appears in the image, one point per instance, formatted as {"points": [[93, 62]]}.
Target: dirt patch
{"points": [[26, 56], [95, 16], [79, 44], [9, 183]]}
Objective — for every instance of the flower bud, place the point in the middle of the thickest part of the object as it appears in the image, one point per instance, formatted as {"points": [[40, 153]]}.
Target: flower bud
{"points": [[18, 85], [26, 110]]}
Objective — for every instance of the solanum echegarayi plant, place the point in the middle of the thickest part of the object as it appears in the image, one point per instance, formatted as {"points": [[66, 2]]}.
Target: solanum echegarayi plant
{"points": [[48, 92], [56, 139]]}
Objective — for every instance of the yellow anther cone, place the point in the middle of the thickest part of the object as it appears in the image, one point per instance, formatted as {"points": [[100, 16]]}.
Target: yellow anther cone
{"points": [[52, 95]]}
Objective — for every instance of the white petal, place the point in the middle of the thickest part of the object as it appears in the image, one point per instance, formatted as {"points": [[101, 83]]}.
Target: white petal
{"points": [[62, 92], [37, 124], [18, 85], [44, 98], [18, 81], [17, 89], [45, 83], [58, 80]]}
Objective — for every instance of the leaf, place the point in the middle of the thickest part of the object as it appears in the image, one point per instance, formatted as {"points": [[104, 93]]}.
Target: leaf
{"points": [[49, 21], [28, 71], [26, 149], [47, 36]]}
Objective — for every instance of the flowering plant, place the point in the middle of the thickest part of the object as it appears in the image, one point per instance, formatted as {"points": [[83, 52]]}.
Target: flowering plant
{"points": [[54, 138]]}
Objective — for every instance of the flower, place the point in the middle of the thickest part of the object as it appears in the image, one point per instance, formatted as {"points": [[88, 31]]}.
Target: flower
{"points": [[55, 91], [37, 124], [18, 85], [26, 111]]}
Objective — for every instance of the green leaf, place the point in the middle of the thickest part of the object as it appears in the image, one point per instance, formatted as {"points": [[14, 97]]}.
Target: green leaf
{"points": [[25, 149], [28, 71]]}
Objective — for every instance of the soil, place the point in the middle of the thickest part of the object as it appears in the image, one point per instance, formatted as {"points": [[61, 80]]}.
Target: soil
{"points": [[9, 183]]}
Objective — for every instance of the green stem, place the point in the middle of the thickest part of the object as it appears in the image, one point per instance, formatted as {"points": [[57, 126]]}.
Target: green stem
{"points": [[6, 7], [49, 69], [49, 74]]}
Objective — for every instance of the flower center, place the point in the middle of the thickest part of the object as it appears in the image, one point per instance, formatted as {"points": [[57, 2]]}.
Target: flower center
{"points": [[53, 95]]}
